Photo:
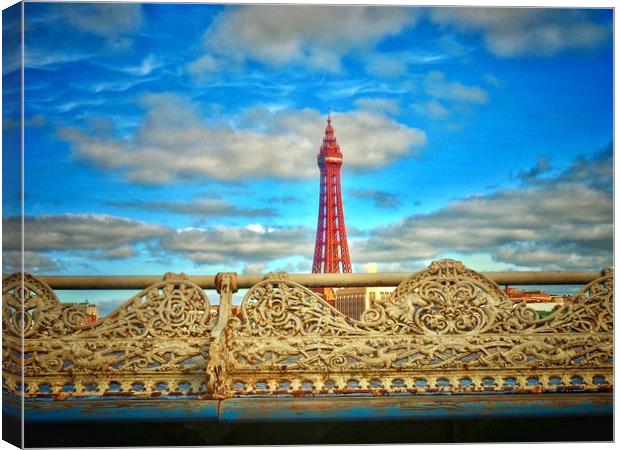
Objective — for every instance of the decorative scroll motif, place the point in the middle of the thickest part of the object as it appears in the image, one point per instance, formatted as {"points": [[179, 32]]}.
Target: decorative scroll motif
{"points": [[448, 298], [589, 311], [446, 328], [280, 307], [154, 344], [41, 312]]}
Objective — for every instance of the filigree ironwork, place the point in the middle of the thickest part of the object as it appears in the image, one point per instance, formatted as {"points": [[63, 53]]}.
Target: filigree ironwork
{"points": [[446, 328], [446, 298], [155, 343], [588, 311], [39, 313], [279, 307]]}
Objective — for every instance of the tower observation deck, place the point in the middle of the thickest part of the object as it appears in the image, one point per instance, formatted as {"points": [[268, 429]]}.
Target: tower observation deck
{"points": [[331, 250]]}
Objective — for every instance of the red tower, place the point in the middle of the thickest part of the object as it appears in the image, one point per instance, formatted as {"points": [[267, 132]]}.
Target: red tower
{"points": [[331, 251]]}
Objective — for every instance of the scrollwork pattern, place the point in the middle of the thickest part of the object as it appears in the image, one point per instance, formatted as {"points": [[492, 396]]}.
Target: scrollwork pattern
{"points": [[588, 311], [280, 307], [159, 334], [428, 353], [164, 310], [446, 328], [446, 322], [29, 306], [446, 298]]}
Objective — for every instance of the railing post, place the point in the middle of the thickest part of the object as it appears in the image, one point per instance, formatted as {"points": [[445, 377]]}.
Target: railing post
{"points": [[226, 285]]}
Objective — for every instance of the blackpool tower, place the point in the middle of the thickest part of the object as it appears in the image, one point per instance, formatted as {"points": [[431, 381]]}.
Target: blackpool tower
{"points": [[331, 251]]}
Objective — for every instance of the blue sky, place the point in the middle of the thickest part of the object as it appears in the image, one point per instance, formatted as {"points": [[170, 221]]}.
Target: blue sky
{"points": [[184, 137]]}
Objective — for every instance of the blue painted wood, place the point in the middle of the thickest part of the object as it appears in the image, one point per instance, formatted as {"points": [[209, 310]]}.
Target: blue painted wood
{"points": [[416, 407], [143, 410]]}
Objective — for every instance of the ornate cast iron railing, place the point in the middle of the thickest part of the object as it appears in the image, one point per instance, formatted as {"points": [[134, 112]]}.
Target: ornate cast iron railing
{"points": [[445, 329], [156, 343]]}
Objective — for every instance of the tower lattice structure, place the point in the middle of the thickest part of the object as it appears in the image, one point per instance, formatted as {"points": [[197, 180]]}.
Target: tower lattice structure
{"points": [[331, 250]]}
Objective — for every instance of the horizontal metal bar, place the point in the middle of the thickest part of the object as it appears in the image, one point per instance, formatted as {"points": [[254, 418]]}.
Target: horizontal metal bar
{"points": [[310, 280], [415, 407]]}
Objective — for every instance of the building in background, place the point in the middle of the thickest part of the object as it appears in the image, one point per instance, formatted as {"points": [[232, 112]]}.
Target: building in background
{"points": [[533, 296], [538, 299], [331, 250], [354, 301], [90, 310]]}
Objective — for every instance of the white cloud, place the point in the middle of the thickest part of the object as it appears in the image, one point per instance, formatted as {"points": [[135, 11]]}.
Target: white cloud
{"points": [[379, 105], [256, 228], [255, 246], [396, 64], [432, 109], [510, 32], [252, 244], [542, 166], [115, 24], [436, 85], [92, 236], [254, 268], [12, 35], [204, 207], [122, 252], [115, 86], [35, 121], [595, 172], [493, 81], [176, 143], [347, 88], [34, 262], [313, 36], [75, 231], [562, 223], [385, 65], [43, 58], [112, 21], [148, 65], [381, 199]]}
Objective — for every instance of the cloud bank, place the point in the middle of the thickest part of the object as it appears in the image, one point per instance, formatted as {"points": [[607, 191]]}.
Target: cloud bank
{"points": [[562, 221], [204, 207], [320, 37], [313, 36], [515, 32], [381, 199], [252, 244], [559, 223], [115, 23], [176, 143]]}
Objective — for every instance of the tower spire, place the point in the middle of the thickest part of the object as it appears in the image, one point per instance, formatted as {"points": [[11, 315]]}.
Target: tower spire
{"points": [[331, 250]]}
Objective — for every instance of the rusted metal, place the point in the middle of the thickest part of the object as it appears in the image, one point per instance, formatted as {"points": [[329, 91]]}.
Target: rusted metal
{"points": [[413, 407], [154, 344], [312, 408], [447, 329], [310, 280]]}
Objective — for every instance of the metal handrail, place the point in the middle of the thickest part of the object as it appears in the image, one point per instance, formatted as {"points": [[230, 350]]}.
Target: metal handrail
{"points": [[315, 280]]}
